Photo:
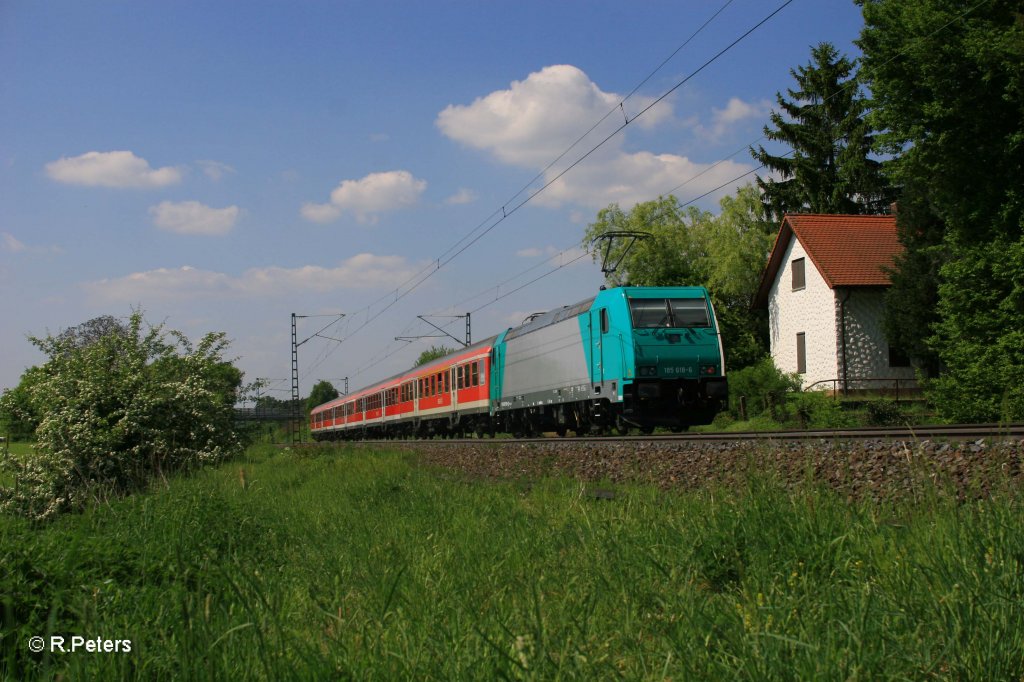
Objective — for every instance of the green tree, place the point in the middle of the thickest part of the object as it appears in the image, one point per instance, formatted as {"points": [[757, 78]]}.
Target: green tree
{"points": [[116, 412], [947, 83], [322, 392], [830, 169], [432, 353], [980, 334], [738, 242], [92, 331], [673, 255], [18, 416], [726, 253]]}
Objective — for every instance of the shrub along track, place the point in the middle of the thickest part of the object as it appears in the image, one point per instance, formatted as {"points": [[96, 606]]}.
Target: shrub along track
{"points": [[868, 467]]}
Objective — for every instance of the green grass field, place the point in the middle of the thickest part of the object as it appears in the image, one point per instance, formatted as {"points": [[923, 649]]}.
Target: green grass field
{"points": [[348, 563], [17, 450]]}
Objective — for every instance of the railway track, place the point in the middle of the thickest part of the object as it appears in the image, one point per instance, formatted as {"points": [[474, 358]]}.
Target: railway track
{"points": [[950, 432], [965, 461]]}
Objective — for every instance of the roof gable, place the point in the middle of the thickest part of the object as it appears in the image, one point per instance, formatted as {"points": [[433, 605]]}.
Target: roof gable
{"points": [[848, 250]]}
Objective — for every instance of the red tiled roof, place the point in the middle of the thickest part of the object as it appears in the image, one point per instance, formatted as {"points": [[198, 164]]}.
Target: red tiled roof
{"points": [[848, 250]]}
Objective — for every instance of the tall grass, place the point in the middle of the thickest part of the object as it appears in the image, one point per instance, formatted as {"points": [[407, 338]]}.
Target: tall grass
{"points": [[352, 563]]}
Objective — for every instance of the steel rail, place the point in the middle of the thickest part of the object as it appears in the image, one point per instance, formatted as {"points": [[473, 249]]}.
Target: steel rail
{"points": [[904, 433]]}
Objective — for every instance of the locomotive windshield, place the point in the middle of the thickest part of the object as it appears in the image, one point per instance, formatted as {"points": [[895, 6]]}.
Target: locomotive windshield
{"points": [[652, 313]]}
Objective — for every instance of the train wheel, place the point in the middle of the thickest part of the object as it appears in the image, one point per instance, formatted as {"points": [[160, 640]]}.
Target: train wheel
{"points": [[621, 427]]}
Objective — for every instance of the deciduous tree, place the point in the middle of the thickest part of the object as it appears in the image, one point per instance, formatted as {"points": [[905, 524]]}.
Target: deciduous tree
{"points": [[689, 247], [128, 406], [432, 353], [947, 82], [322, 392]]}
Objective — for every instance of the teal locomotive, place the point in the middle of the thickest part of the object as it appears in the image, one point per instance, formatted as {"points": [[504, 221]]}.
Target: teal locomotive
{"points": [[628, 357]]}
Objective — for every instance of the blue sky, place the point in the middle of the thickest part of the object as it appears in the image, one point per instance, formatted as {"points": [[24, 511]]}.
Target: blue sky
{"points": [[223, 165]]}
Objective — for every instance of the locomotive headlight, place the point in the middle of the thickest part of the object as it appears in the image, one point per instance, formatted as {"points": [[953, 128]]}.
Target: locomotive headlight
{"points": [[648, 371], [708, 369]]}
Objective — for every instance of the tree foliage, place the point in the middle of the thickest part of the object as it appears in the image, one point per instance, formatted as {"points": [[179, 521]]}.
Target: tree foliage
{"points": [[18, 416], [322, 392], [830, 169], [118, 411], [432, 353], [947, 83], [980, 333], [726, 253], [92, 331], [670, 257]]}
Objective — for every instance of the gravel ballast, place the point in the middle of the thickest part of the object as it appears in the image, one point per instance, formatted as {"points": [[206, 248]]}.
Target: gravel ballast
{"points": [[876, 469]]}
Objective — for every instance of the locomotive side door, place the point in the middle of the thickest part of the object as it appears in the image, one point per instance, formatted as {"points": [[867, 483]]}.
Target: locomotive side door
{"points": [[496, 378], [598, 324]]}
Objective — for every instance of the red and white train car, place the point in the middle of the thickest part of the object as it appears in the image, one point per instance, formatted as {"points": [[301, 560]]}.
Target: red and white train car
{"points": [[447, 396]]}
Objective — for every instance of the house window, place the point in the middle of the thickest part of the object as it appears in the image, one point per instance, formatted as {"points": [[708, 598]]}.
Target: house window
{"points": [[801, 353], [798, 274], [898, 358]]}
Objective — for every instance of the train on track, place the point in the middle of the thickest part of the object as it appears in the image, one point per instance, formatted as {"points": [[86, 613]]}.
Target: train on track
{"points": [[629, 357]]}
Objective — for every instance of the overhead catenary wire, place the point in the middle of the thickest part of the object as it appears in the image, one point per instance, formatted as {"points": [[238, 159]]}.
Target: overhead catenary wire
{"points": [[372, 362], [425, 273], [852, 83], [617, 107]]}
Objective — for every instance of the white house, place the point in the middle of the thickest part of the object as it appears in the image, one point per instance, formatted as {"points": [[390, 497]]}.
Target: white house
{"points": [[823, 289]]}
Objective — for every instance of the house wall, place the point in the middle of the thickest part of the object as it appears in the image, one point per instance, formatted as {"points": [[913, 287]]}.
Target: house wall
{"points": [[867, 352], [811, 310]]}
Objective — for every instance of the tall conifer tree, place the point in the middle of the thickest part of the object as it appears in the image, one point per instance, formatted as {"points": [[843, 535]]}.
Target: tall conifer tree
{"points": [[829, 169]]}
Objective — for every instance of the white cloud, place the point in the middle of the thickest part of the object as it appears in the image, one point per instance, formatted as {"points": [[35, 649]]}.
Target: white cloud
{"points": [[192, 217], [320, 213], [215, 170], [12, 243], [736, 112], [463, 196], [111, 169], [531, 252], [626, 179], [362, 271], [536, 119], [367, 197], [555, 257]]}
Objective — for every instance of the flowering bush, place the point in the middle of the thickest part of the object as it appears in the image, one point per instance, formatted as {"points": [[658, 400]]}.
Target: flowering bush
{"points": [[119, 410]]}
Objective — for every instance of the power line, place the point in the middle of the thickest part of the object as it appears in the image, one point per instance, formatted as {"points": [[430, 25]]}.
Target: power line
{"points": [[428, 271], [376, 361], [505, 212], [849, 84], [611, 111]]}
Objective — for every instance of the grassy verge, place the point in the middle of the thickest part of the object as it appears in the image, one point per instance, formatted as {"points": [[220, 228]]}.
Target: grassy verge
{"points": [[351, 563], [17, 449]]}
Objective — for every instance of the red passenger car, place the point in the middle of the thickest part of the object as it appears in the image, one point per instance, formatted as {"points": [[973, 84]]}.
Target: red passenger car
{"points": [[447, 396]]}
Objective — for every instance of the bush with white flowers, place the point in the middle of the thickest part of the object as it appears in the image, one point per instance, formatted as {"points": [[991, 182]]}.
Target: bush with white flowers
{"points": [[125, 408]]}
